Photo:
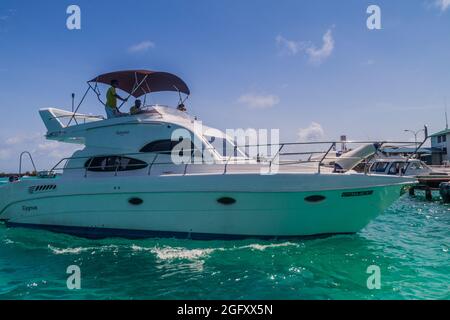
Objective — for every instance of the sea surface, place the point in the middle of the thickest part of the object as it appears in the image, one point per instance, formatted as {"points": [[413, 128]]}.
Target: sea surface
{"points": [[409, 243]]}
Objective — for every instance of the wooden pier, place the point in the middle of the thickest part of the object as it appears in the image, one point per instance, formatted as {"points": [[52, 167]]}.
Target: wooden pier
{"points": [[428, 184], [427, 189]]}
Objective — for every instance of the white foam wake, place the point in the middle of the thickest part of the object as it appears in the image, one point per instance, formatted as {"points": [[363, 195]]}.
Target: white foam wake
{"points": [[79, 250], [173, 253]]}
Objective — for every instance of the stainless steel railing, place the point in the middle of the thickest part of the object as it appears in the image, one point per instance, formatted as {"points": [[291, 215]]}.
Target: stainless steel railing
{"points": [[20, 161], [225, 161], [74, 117]]}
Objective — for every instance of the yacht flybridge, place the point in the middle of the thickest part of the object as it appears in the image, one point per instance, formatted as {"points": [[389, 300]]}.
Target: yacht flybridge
{"points": [[159, 173]]}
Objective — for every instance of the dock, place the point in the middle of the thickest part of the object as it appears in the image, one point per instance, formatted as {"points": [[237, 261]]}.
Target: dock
{"points": [[429, 184]]}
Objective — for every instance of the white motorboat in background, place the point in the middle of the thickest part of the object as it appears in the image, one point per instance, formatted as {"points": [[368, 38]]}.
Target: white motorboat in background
{"points": [[402, 166], [125, 183]]}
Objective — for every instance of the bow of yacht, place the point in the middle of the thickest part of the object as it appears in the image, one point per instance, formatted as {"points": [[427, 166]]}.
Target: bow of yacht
{"points": [[162, 173]]}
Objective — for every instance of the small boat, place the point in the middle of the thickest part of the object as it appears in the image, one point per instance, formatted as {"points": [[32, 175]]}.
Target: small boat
{"points": [[127, 180], [409, 167]]}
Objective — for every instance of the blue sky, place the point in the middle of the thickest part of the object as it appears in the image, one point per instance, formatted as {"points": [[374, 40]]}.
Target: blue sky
{"points": [[310, 68]]}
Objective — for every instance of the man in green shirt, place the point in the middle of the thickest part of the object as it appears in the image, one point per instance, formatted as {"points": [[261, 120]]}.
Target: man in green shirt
{"points": [[111, 100]]}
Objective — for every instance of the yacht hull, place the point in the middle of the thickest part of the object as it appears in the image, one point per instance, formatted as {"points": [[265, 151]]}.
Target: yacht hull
{"points": [[265, 207]]}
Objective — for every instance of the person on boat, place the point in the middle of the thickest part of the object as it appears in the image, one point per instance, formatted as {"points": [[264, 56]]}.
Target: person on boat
{"points": [[181, 107], [111, 100], [136, 108]]}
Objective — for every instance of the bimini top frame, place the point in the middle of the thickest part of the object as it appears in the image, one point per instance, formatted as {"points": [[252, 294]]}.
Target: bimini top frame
{"points": [[137, 83]]}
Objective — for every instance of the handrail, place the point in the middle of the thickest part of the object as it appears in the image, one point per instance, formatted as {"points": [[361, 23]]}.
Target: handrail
{"points": [[88, 167], [151, 165], [78, 107], [244, 146], [20, 162], [276, 154], [187, 150], [78, 116], [226, 165], [333, 145], [418, 146], [224, 161], [328, 142]]}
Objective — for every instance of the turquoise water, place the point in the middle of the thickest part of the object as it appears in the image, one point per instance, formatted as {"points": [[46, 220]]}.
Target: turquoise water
{"points": [[409, 243]]}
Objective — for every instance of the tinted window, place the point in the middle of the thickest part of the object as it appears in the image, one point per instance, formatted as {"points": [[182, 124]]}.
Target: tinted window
{"points": [[397, 168], [160, 146], [222, 146], [113, 163], [379, 167], [166, 146], [416, 166]]}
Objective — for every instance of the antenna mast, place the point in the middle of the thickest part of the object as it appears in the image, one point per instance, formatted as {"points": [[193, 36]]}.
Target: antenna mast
{"points": [[446, 118]]}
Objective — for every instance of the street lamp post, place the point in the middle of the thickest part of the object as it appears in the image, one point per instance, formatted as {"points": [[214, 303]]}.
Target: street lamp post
{"points": [[415, 133]]}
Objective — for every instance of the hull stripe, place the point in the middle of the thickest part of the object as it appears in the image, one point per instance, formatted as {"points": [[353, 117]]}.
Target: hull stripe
{"points": [[102, 233]]}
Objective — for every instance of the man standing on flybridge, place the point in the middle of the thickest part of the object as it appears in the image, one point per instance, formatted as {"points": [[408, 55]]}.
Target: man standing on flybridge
{"points": [[111, 100]]}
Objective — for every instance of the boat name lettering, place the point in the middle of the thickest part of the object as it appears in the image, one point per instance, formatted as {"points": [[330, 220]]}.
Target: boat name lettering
{"points": [[357, 193], [28, 209], [122, 133]]}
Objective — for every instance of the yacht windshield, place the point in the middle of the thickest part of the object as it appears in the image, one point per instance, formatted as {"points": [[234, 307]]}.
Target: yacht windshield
{"points": [[224, 147]]}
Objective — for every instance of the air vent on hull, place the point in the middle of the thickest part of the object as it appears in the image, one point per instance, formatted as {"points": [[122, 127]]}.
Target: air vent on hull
{"points": [[42, 188]]}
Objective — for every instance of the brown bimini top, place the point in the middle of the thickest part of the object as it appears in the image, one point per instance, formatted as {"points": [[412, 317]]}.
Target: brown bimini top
{"points": [[140, 82]]}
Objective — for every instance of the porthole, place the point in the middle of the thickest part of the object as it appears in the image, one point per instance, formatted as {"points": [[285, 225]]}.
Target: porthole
{"points": [[226, 201], [136, 201], [315, 198]]}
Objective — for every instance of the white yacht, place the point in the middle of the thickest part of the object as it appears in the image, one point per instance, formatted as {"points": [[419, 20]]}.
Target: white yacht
{"points": [[409, 167], [126, 183], [401, 166]]}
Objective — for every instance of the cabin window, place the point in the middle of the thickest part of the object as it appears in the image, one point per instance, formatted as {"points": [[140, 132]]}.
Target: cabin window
{"points": [[397, 168], [166, 147], [379, 167], [416, 166], [439, 139], [113, 164], [224, 147], [444, 138], [160, 146]]}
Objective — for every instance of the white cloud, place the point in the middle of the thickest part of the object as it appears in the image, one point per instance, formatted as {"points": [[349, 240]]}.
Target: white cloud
{"points": [[5, 16], [45, 153], [289, 47], [256, 101], [314, 132], [141, 46], [319, 55], [316, 55], [443, 4]]}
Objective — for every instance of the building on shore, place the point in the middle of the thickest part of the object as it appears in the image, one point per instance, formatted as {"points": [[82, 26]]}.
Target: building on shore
{"points": [[440, 143], [424, 154]]}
